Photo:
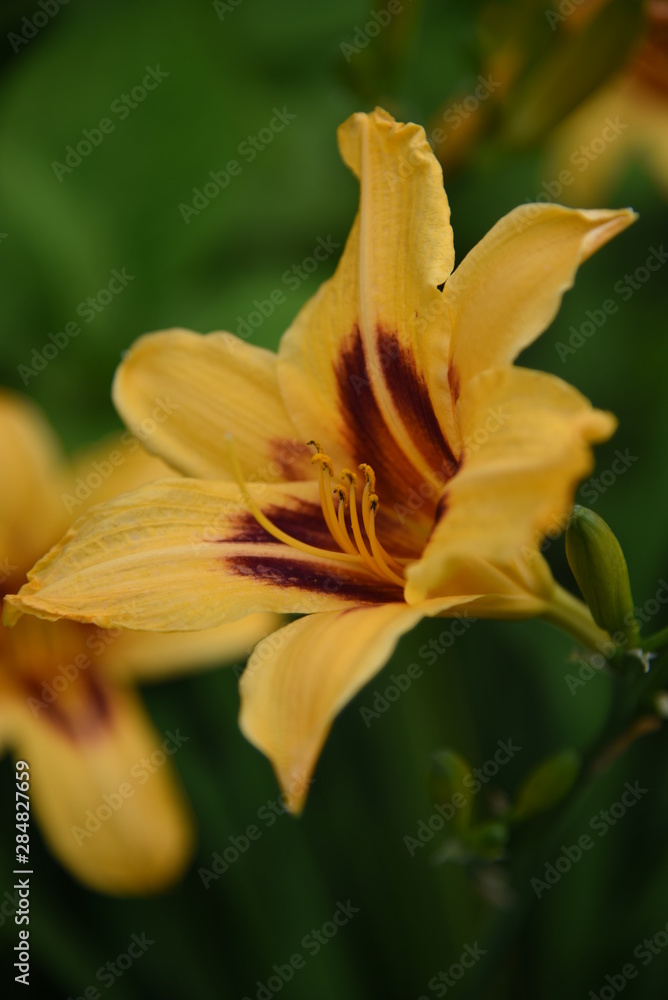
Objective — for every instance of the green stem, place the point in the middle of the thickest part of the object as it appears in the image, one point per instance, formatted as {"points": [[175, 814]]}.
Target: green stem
{"points": [[542, 837], [574, 617], [540, 840], [656, 641], [504, 926]]}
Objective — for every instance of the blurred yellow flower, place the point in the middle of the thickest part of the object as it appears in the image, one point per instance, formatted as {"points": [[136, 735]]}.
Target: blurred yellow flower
{"points": [[452, 462], [624, 121], [102, 785]]}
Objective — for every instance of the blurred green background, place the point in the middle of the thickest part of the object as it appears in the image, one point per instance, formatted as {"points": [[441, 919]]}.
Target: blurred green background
{"points": [[228, 69]]}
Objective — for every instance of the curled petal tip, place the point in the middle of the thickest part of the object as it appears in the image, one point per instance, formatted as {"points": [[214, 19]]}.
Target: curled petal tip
{"points": [[607, 224]]}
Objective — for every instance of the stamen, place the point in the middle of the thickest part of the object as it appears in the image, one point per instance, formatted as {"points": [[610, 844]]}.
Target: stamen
{"points": [[377, 562], [325, 472], [325, 462], [368, 491], [370, 525], [370, 502], [278, 533], [355, 524], [359, 540], [370, 475], [341, 493], [376, 547]]}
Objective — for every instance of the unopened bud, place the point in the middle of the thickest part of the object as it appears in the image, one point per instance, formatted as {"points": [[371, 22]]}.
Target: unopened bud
{"points": [[598, 564], [547, 784]]}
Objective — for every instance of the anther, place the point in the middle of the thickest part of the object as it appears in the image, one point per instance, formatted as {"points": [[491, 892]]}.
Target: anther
{"points": [[325, 462], [370, 475]]}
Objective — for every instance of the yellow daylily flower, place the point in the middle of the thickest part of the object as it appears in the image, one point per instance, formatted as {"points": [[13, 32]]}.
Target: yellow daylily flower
{"points": [[439, 464], [624, 121], [102, 785]]}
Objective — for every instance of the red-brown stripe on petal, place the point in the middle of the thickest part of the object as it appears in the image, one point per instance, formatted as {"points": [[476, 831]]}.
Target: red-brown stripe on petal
{"points": [[368, 438], [81, 712], [304, 521], [410, 395], [291, 569]]}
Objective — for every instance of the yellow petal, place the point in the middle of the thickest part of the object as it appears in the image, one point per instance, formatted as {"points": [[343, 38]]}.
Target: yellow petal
{"points": [[299, 679], [509, 287], [103, 788], [519, 589], [117, 464], [362, 364], [155, 655], [527, 440], [32, 515], [186, 554], [181, 392]]}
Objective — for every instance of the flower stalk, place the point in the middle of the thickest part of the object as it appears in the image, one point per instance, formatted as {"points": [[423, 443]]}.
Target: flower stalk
{"points": [[574, 617]]}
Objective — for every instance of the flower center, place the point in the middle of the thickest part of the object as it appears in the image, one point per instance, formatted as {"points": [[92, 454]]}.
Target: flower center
{"points": [[358, 544]]}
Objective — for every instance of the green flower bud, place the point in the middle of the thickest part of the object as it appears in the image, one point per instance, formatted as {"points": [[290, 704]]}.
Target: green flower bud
{"points": [[598, 564], [546, 784]]}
